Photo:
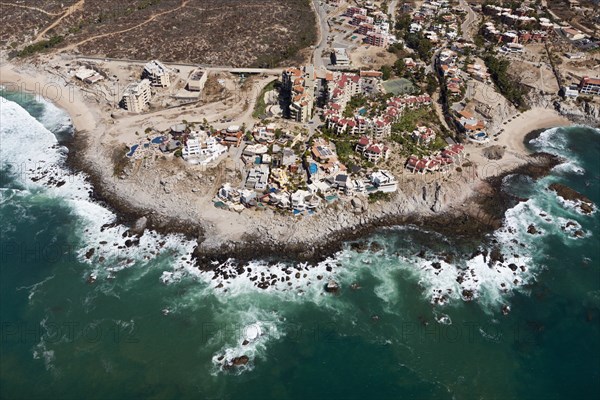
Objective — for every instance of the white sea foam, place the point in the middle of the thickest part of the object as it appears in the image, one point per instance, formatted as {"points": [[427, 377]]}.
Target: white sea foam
{"points": [[282, 279], [249, 337], [33, 289], [41, 351], [32, 152], [551, 141], [54, 118]]}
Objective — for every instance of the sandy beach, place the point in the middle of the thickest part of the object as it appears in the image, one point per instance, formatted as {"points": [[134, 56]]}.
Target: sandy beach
{"points": [[171, 195], [52, 88], [530, 120]]}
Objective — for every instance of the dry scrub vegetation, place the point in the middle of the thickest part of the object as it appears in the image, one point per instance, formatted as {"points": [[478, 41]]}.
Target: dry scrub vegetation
{"points": [[217, 32]]}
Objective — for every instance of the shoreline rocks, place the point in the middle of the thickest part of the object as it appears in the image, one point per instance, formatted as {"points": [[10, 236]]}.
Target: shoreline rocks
{"points": [[479, 213], [585, 204]]}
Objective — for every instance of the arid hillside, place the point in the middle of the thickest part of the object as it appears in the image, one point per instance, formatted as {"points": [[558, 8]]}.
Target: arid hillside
{"points": [[218, 32]]}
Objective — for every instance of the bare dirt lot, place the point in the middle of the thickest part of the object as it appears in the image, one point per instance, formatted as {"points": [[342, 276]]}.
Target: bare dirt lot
{"points": [[217, 32]]}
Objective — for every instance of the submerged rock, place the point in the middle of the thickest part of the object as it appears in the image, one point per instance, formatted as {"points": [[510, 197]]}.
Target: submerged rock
{"points": [[90, 253], [243, 360], [332, 287], [468, 295], [235, 362]]}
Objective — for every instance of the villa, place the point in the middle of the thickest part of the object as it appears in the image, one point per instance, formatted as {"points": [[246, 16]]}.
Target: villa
{"points": [[423, 135], [257, 177], [200, 148], [384, 181], [88, 75], [232, 136]]}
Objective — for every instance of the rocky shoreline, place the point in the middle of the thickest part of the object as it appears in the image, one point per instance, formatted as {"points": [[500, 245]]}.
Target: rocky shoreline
{"points": [[482, 214]]}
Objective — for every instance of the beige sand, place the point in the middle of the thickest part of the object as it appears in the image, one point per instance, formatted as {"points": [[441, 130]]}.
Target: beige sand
{"points": [[512, 139], [52, 88]]}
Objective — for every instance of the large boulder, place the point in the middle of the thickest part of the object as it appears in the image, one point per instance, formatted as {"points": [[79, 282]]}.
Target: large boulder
{"points": [[357, 203], [332, 287], [139, 226], [235, 362]]}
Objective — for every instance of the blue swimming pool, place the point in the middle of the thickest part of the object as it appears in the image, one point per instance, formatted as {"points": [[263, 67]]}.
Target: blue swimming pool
{"points": [[158, 140], [132, 150]]}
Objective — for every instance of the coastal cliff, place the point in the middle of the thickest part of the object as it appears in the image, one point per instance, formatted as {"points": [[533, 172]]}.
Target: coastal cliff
{"points": [[582, 112]]}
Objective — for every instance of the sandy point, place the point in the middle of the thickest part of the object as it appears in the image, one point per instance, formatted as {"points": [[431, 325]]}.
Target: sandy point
{"points": [[52, 88]]}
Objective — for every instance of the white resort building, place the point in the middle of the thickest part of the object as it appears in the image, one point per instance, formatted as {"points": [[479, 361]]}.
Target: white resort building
{"points": [[384, 181], [200, 148]]}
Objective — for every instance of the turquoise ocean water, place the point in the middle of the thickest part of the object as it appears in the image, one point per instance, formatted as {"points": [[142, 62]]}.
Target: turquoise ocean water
{"points": [[139, 322]]}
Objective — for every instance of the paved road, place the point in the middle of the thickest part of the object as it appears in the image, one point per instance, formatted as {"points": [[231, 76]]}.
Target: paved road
{"points": [[468, 22], [216, 68], [323, 32], [392, 5]]}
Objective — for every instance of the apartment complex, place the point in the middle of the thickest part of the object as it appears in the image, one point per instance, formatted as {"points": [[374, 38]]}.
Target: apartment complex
{"points": [[377, 39], [157, 73], [136, 96], [298, 92]]}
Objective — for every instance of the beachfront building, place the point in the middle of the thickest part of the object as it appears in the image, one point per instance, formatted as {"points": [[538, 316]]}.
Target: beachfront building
{"points": [[468, 123], [137, 96], [571, 91], [88, 75], [589, 86], [200, 148], [157, 73], [440, 162]]}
